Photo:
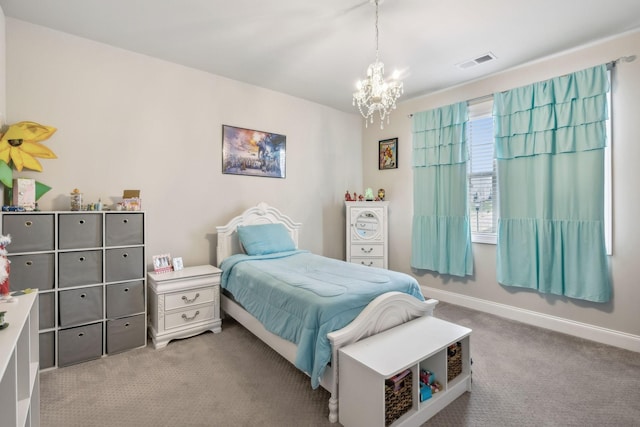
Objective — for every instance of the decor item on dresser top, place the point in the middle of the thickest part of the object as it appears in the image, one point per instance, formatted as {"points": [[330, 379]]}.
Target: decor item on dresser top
{"points": [[162, 263], [252, 152], [4, 269], [20, 144], [388, 154], [260, 275], [374, 93]]}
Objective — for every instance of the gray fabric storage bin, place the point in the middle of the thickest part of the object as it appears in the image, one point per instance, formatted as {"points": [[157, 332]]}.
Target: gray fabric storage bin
{"points": [[125, 299], [124, 228], [81, 230], [47, 343], [77, 306], [124, 264], [32, 271], [29, 232], [47, 301], [79, 268], [126, 333], [79, 344]]}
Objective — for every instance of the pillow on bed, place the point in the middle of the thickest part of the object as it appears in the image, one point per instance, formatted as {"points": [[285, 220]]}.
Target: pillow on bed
{"points": [[262, 239]]}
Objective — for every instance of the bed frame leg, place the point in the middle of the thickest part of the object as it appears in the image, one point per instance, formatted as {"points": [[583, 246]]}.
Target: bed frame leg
{"points": [[333, 410]]}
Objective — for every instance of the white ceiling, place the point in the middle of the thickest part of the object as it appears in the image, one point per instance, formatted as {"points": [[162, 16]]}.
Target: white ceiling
{"points": [[317, 50]]}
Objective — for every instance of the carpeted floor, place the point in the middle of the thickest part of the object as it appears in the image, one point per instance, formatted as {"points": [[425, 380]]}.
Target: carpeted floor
{"points": [[522, 376]]}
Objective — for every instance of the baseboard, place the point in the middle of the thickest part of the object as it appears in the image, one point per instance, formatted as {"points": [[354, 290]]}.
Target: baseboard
{"points": [[558, 324]]}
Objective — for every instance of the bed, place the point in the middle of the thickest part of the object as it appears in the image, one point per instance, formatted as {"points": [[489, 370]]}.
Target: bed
{"points": [[267, 254]]}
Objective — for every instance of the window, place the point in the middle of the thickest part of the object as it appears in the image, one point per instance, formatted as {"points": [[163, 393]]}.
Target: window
{"points": [[481, 172]]}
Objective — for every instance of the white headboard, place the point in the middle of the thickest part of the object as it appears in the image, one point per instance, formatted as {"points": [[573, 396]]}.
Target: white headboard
{"points": [[228, 243]]}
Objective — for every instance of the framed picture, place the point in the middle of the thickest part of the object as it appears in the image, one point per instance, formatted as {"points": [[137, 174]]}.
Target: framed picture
{"points": [[162, 263], [252, 152], [177, 264], [388, 154]]}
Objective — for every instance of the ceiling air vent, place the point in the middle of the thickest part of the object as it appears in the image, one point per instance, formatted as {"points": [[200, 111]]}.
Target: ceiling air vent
{"points": [[476, 61]]}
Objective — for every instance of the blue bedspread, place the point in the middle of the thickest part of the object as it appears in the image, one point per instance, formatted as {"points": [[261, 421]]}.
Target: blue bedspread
{"points": [[301, 297]]}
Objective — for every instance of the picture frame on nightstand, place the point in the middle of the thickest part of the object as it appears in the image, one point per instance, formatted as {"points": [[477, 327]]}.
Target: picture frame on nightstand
{"points": [[177, 264], [162, 263]]}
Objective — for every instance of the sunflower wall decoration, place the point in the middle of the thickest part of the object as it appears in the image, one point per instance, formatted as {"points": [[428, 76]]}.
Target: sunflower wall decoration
{"points": [[19, 147]]}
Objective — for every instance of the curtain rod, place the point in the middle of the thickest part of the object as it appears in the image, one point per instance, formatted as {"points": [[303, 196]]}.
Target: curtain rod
{"points": [[610, 65]]}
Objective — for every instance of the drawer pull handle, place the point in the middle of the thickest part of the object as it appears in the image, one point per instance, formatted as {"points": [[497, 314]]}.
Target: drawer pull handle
{"points": [[189, 301], [82, 259], [28, 263], [368, 265], [81, 221], [126, 325], [126, 221], [81, 334], [187, 318], [83, 295], [28, 223], [124, 255], [126, 289], [366, 251]]}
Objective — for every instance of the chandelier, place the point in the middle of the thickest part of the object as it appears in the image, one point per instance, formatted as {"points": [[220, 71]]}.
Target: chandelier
{"points": [[374, 93]]}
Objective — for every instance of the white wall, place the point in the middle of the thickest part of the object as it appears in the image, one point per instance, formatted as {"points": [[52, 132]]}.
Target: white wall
{"points": [[128, 121], [621, 313]]}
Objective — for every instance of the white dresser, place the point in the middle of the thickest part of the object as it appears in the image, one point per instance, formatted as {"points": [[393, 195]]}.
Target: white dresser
{"points": [[367, 233], [183, 303]]}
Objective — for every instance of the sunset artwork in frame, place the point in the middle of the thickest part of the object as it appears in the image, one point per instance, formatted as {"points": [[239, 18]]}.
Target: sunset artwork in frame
{"points": [[388, 154], [252, 152]]}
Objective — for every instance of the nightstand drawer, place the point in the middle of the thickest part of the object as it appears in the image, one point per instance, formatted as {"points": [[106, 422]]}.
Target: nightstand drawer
{"points": [[367, 250], [186, 317], [369, 262], [189, 297]]}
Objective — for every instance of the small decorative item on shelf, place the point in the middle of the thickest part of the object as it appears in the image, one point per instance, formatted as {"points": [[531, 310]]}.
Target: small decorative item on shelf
{"points": [[368, 194], [162, 263], [347, 197], [131, 200], [4, 269], [381, 194], [76, 200], [3, 324]]}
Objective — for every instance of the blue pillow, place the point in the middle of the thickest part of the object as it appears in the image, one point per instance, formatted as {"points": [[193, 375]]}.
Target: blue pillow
{"points": [[265, 239]]}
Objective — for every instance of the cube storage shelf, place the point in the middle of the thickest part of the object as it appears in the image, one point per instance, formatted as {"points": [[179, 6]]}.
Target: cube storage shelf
{"points": [[90, 270], [419, 344], [19, 370]]}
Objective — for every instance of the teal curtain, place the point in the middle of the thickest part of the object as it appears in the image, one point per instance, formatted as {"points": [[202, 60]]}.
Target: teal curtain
{"points": [[550, 140], [441, 236]]}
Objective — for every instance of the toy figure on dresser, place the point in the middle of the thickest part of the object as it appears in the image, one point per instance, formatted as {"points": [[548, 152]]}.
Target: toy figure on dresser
{"points": [[4, 269]]}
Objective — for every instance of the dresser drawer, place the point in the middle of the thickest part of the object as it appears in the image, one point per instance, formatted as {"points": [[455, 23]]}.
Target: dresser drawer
{"points": [[189, 297], [126, 333], [124, 228], [79, 268], [124, 299], [29, 233], [124, 264], [81, 305], [82, 230], [369, 262], [32, 271], [79, 344], [367, 250], [186, 317]]}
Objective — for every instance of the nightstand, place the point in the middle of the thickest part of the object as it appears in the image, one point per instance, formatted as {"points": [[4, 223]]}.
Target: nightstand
{"points": [[183, 303]]}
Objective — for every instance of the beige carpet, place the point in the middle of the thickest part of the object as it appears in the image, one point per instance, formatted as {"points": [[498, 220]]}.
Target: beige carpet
{"points": [[522, 376]]}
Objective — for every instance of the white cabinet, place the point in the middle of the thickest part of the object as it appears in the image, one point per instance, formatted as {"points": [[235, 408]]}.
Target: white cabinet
{"points": [[421, 344], [19, 369], [184, 303], [367, 233]]}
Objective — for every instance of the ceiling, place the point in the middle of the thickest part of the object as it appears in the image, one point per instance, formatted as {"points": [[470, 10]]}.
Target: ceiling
{"points": [[317, 50]]}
